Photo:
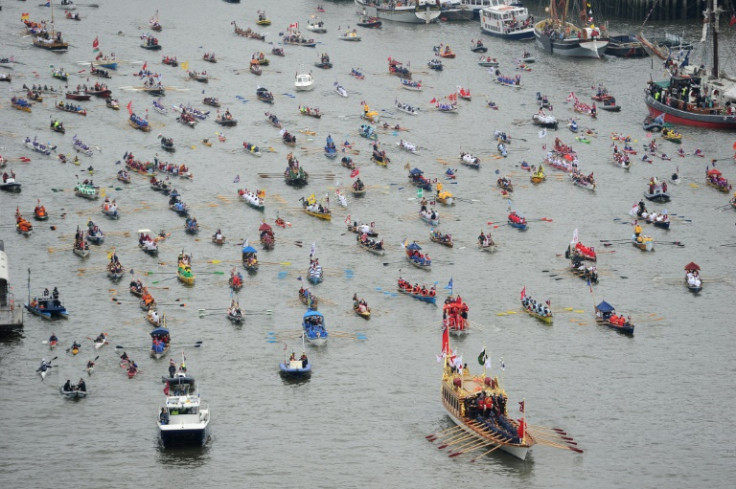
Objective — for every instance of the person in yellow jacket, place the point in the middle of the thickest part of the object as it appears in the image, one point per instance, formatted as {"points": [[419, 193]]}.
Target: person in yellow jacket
{"points": [[637, 229]]}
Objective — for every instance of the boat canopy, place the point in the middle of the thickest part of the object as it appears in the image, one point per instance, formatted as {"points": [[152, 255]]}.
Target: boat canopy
{"points": [[413, 247], [714, 171], [264, 227], [605, 307], [416, 171], [143, 231], [249, 249], [159, 332], [312, 313], [692, 266]]}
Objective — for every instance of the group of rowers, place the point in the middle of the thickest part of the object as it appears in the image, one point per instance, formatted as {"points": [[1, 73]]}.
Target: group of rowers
{"points": [[416, 289], [80, 386], [536, 307]]}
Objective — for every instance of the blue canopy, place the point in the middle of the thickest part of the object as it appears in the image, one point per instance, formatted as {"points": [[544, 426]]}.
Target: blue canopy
{"points": [[413, 246], [249, 249], [312, 313], [605, 307], [159, 332], [416, 171]]}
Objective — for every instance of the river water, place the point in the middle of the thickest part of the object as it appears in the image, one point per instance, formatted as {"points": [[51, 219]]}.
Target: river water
{"points": [[649, 411]]}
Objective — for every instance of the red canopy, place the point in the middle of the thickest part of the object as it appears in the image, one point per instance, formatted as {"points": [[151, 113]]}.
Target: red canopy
{"points": [[714, 171], [264, 227], [692, 266]]}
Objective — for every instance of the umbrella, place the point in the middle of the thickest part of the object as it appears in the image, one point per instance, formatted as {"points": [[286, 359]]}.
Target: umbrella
{"points": [[692, 266], [714, 171]]}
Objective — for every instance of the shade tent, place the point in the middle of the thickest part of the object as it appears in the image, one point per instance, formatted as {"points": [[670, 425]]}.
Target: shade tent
{"points": [[605, 307], [692, 266], [714, 172], [249, 249], [416, 171], [159, 332], [312, 313]]}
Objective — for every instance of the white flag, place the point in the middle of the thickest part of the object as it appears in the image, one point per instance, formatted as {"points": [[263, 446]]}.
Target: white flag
{"points": [[575, 238]]}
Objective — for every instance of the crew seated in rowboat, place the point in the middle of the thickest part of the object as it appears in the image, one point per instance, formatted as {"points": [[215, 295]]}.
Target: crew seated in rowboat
{"points": [[371, 243], [234, 309], [137, 286], [358, 185], [536, 307]]}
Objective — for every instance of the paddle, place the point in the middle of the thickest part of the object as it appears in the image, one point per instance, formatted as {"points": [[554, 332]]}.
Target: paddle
{"points": [[48, 365], [486, 453]]}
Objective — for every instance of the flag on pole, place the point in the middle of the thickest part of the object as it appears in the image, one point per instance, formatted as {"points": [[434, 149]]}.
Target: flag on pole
{"points": [[145, 65], [96, 45], [482, 358], [523, 293], [575, 238], [488, 363], [445, 339], [130, 108], [347, 219], [521, 406]]}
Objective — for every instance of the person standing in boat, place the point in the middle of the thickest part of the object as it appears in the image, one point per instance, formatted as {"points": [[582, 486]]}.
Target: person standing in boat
{"points": [[172, 367], [304, 360]]}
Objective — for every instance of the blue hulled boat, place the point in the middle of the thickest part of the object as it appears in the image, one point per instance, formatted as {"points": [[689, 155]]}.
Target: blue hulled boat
{"points": [[313, 323]]}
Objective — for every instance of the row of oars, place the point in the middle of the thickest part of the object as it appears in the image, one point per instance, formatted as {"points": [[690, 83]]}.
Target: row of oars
{"points": [[553, 437], [463, 442], [611, 242]]}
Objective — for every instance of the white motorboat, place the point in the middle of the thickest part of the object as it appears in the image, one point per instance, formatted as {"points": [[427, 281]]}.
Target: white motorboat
{"points": [[184, 420], [340, 90], [304, 81]]}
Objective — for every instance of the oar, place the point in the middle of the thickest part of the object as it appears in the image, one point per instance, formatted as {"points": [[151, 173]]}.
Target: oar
{"points": [[198, 344], [434, 436], [674, 243], [486, 453]]}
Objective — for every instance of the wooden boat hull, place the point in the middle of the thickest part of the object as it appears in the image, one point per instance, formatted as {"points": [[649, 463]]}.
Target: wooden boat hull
{"points": [[184, 279], [319, 215]]}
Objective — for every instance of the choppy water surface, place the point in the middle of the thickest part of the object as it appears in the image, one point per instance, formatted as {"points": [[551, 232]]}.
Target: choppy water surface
{"points": [[648, 410]]}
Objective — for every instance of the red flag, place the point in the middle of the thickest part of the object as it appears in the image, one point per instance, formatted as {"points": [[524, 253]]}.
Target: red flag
{"points": [[434, 100], [733, 19], [523, 293], [95, 43], [521, 406], [445, 338], [355, 173], [522, 428], [166, 389], [145, 65], [130, 108]]}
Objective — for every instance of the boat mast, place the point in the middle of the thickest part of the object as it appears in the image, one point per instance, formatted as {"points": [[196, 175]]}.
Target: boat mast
{"points": [[712, 20], [564, 14], [29, 286]]}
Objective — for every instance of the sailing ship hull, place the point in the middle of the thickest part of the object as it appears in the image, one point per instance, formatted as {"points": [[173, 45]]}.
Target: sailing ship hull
{"points": [[677, 116], [409, 14], [571, 47]]}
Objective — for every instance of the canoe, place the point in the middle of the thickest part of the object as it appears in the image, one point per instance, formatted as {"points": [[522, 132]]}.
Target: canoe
{"points": [[366, 246]]}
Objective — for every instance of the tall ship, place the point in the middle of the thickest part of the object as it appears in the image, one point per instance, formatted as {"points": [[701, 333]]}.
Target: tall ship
{"points": [[501, 18], [409, 11], [559, 37], [11, 315], [696, 95]]}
